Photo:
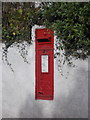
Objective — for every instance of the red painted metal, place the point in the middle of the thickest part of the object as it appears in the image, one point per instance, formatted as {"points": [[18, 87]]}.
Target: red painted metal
{"points": [[44, 47]]}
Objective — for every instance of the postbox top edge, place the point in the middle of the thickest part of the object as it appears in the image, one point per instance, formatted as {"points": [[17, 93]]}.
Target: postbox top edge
{"points": [[38, 29]]}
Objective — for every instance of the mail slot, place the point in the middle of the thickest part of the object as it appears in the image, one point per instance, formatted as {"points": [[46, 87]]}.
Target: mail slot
{"points": [[44, 64]]}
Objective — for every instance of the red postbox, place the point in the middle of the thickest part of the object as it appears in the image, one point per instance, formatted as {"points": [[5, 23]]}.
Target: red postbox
{"points": [[44, 64]]}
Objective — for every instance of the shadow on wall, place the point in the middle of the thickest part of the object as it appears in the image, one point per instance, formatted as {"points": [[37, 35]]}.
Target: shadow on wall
{"points": [[31, 109], [75, 105]]}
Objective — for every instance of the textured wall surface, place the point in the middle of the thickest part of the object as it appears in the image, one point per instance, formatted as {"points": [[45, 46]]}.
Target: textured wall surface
{"points": [[0, 80], [70, 95], [0, 60]]}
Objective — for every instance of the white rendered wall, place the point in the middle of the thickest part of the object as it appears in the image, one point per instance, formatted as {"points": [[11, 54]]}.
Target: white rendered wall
{"points": [[0, 81], [70, 95]]}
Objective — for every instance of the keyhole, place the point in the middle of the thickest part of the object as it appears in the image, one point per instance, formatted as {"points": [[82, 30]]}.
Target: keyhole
{"points": [[40, 92], [44, 51]]}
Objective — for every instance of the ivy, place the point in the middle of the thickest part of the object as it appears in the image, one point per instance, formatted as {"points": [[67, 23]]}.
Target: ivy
{"points": [[69, 20]]}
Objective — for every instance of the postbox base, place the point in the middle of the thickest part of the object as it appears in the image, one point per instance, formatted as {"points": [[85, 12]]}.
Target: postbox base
{"points": [[44, 98]]}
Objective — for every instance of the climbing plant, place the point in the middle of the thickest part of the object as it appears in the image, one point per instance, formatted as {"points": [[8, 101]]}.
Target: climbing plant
{"points": [[17, 22], [69, 20]]}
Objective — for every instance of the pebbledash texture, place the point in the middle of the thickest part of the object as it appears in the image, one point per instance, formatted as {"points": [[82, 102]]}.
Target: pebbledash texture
{"points": [[70, 89], [0, 80]]}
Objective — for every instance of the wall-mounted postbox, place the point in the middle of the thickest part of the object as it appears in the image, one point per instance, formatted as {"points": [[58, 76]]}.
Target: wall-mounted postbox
{"points": [[44, 64]]}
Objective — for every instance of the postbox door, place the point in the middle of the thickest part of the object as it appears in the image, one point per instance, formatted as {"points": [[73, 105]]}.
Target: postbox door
{"points": [[44, 89]]}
